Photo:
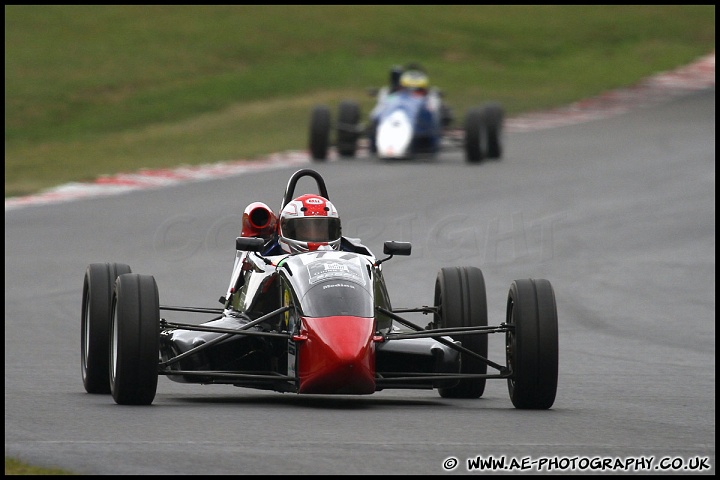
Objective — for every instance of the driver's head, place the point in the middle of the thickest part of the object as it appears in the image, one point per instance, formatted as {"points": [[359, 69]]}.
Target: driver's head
{"points": [[414, 80], [309, 222]]}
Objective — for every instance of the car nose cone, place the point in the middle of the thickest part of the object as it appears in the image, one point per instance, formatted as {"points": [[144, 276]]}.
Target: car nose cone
{"points": [[337, 355], [394, 135]]}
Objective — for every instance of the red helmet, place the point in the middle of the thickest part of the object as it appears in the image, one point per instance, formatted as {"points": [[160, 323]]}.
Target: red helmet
{"points": [[308, 222]]}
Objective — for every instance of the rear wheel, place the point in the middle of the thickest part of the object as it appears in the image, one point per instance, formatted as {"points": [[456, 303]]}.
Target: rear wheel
{"points": [[347, 128], [98, 288], [475, 135], [494, 115], [460, 295], [532, 344], [134, 340], [319, 132]]}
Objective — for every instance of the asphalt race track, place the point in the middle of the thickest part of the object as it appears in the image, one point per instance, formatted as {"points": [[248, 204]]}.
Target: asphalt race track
{"points": [[618, 213]]}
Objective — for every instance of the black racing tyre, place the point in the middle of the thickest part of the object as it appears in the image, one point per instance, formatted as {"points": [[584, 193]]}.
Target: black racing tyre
{"points": [[475, 135], [460, 295], [495, 116], [134, 340], [95, 324], [347, 128], [319, 132], [532, 347]]}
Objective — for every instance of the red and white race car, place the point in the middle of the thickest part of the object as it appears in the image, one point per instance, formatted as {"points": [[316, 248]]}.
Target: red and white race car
{"points": [[316, 322]]}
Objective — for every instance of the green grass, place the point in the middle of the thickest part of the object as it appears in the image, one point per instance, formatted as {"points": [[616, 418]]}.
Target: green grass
{"points": [[15, 467], [92, 90]]}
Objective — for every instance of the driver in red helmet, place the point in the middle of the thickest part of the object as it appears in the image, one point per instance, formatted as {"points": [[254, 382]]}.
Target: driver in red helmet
{"points": [[308, 223]]}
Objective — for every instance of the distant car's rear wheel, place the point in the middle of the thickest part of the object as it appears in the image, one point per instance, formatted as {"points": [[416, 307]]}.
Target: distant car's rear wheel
{"points": [[494, 115], [134, 340], [98, 288], [460, 295], [347, 128], [319, 132], [476, 141], [532, 344]]}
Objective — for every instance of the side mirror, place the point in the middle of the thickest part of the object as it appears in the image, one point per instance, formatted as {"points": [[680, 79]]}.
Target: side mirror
{"points": [[394, 248], [250, 244], [397, 248]]}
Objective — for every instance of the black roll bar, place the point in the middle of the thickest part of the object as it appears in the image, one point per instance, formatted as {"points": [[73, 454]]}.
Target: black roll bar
{"points": [[304, 172]]}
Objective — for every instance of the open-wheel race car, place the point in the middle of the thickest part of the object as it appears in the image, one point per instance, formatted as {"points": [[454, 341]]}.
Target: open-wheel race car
{"points": [[410, 119], [310, 313]]}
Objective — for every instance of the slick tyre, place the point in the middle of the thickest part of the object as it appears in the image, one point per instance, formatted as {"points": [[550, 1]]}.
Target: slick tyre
{"points": [[98, 287], [319, 132], [476, 141], [532, 344], [347, 128], [134, 340], [460, 295], [495, 116]]}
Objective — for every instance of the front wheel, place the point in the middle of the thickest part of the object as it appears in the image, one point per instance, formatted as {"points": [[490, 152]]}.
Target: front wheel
{"points": [[461, 298], [134, 340], [532, 344], [98, 287]]}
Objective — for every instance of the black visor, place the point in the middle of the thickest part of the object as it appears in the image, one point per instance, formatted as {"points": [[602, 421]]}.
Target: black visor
{"points": [[311, 229]]}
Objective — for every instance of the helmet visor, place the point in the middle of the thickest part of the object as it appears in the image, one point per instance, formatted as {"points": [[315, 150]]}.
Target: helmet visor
{"points": [[414, 79], [311, 229]]}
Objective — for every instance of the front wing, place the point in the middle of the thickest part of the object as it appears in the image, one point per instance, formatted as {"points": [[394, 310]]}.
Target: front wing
{"points": [[413, 358]]}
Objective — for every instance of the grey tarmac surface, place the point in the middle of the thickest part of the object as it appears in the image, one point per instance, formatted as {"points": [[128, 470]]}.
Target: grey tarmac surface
{"points": [[618, 213]]}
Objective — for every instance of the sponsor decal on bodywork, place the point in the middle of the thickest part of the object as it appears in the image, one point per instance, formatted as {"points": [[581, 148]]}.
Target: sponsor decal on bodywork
{"points": [[322, 269]]}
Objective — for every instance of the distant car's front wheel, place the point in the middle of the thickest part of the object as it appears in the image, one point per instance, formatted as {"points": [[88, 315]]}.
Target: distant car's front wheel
{"points": [[98, 289], [319, 132], [134, 340], [461, 298], [532, 344]]}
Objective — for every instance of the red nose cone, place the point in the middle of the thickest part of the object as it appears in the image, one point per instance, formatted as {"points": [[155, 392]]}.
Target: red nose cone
{"points": [[338, 356]]}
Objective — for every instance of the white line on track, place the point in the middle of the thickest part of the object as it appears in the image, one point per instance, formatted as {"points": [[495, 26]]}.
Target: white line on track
{"points": [[658, 88]]}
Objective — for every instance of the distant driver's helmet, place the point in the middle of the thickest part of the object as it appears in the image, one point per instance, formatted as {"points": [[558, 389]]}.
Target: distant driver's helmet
{"points": [[414, 80], [307, 223]]}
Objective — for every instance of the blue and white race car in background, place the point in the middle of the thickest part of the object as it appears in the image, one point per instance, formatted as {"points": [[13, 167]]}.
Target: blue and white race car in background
{"points": [[410, 119]]}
